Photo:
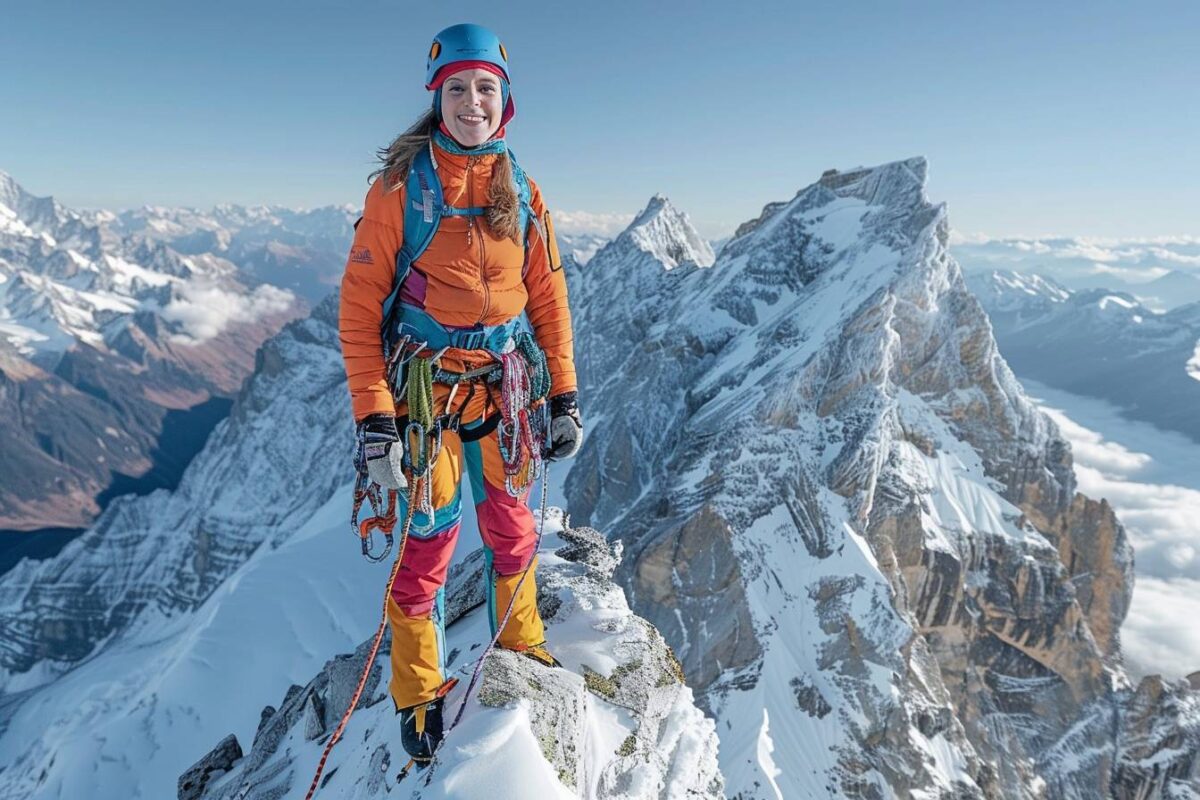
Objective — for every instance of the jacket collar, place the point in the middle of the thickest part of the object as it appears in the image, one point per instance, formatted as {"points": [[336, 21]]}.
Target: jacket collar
{"points": [[446, 148]]}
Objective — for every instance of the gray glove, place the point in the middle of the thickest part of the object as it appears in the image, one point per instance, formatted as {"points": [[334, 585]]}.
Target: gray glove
{"points": [[378, 452], [566, 427]]}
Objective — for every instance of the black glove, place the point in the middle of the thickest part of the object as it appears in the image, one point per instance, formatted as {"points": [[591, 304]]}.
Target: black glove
{"points": [[375, 456], [566, 427]]}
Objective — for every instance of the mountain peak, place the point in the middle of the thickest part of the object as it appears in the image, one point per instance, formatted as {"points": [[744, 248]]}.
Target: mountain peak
{"points": [[663, 231], [880, 184], [835, 178], [898, 184], [10, 191]]}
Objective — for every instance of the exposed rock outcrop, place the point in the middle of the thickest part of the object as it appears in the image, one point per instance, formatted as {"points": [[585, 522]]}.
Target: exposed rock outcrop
{"points": [[620, 669]]}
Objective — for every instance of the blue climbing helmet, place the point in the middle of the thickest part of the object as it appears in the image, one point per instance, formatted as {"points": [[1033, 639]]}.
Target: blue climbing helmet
{"points": [[465, 42], [471, 46]]}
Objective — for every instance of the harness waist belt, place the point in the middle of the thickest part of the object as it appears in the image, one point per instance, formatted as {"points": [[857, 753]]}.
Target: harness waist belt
{"points": [[419, 326]]}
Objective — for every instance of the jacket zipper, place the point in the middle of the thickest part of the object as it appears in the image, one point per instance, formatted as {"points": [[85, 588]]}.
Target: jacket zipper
{"points": [[470, 223]]}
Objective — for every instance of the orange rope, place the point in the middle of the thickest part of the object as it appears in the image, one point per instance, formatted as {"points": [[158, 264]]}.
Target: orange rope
{"points": [[362, 681]]}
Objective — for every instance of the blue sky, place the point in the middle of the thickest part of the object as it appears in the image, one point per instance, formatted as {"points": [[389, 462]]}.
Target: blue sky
{"points": [[1068, 118]]}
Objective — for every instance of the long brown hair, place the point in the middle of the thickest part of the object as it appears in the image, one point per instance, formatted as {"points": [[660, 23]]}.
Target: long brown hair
{"points": [[504, 207]]}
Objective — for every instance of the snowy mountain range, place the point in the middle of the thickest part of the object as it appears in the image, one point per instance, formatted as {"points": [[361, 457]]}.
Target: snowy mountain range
{"points": [[1099, 343], [300, 250], [124, 336], [821, 485]]}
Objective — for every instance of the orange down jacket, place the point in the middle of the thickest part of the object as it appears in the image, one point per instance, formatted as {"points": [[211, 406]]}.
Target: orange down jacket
{"points": [[470, 277]]}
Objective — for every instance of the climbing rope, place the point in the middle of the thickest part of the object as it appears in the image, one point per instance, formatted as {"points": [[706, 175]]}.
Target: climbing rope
{"points": [[422, 435], [521, 434], [370, 662]]}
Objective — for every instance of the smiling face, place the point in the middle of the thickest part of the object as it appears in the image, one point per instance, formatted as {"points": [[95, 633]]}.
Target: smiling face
{"points": [[471, 106]]}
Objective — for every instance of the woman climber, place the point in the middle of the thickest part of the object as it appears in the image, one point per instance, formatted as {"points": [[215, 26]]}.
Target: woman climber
{"points": [[453, 262]]}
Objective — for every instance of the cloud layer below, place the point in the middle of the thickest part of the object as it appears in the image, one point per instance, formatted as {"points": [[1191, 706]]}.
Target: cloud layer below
{"points": [[1152, 479]]}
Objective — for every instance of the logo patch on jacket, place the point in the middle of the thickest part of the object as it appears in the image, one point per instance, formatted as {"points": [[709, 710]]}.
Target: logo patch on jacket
{"points": [[361, 255]]}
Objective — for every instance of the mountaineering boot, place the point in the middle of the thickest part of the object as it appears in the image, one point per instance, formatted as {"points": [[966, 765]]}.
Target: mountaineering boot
{"points": [[421, 727], [538, 653], [421, 730]]}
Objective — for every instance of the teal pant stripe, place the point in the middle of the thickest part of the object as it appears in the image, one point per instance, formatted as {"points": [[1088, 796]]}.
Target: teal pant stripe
{"points": [[439, 622], [474, 458], [443, 517], [489, 580]]}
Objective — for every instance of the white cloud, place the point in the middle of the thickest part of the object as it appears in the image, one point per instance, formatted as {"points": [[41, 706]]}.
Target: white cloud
{"points": [[1103, 241], [1086, 250], [1082, 262], [1160, 634], [205, 310], [962, 237], [1090, 448], [579, 222], [1130, 274], [1162, 254]]}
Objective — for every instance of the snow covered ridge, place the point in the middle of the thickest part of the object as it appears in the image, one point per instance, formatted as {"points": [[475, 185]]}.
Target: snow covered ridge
{"points": [[615, 722], [840, 509]]}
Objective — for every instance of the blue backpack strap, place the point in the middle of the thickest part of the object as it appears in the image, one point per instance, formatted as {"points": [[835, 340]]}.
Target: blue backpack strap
{"points": [[423, 207], [525, 195]]}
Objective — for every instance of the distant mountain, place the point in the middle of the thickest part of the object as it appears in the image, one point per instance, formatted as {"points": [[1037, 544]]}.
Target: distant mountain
{"points": [[1100, 343], [303, 251], [1163, 272], [1172, 290], [580, 246]]}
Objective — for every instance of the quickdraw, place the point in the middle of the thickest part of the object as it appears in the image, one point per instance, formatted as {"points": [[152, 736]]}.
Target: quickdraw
{"points": [[382, 518]]}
